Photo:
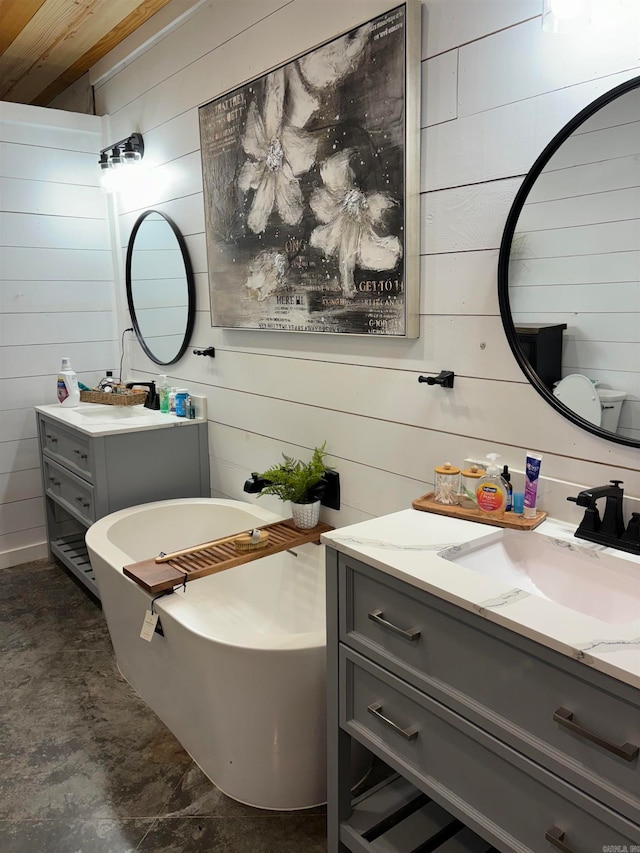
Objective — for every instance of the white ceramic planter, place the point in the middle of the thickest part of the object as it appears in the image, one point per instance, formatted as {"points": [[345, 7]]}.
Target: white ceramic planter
{"points": [[305, 516]]}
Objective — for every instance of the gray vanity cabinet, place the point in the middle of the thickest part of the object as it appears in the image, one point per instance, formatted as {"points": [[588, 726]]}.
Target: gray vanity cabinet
{"points": [[86, 477], [526, 748]]}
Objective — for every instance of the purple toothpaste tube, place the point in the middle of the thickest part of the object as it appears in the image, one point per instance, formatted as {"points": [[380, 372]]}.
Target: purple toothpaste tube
{"points": [[531, 474]]}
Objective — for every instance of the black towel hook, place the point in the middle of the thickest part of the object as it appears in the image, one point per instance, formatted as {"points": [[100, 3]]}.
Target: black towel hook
{"points": [[444, 378], [211, 351]]}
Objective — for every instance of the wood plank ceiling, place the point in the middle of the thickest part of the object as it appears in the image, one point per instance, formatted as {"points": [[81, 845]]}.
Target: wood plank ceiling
{"points": [[45, 45]]}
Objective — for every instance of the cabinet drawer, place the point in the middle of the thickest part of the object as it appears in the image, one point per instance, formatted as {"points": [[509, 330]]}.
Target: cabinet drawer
{"points": [[68, 448], [70, 491], [512, 689], [503, 796]]}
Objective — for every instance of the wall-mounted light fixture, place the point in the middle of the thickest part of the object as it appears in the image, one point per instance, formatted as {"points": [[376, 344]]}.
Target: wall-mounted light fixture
{"points": [[129, 150]]}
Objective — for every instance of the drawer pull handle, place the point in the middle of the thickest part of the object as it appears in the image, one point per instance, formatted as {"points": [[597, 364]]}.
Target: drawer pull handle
{"points": [[627, 751], [51, 438], [377, 616], [407, 734], [555, 836], [81, 455]]}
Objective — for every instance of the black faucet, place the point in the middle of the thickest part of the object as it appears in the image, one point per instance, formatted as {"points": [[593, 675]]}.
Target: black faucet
{"points": [[152, 400], [609, 530], [255, 483], [327, 491]]}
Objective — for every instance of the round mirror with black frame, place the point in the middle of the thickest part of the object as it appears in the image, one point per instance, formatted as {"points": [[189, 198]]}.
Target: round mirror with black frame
{"points": [[569, 269], [160, 287]]}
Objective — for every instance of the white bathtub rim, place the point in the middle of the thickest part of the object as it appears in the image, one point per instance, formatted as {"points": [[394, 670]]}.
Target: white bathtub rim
{"points": [[166, 605], [116, 557]]}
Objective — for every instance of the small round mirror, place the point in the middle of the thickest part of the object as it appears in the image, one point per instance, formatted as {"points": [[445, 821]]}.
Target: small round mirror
{"points": [[160, 287]]}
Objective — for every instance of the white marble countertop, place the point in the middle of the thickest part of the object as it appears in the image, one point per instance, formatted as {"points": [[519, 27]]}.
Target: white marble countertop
{"points": [[408, 545], [96, 419]]}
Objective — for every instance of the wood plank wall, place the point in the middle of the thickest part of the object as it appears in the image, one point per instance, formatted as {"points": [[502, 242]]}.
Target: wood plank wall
{"points": [[495, 90], [56, 294]]}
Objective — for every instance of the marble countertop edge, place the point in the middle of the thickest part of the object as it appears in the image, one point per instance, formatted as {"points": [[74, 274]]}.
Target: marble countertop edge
{"points": [[406, 545]]}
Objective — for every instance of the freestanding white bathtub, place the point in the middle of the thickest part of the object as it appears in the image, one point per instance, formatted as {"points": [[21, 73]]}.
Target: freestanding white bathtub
{"points": [[239, 675]]}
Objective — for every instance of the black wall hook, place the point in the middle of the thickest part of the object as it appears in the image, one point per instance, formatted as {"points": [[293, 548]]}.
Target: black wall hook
{"points": [[211, 351], [444, 378]]}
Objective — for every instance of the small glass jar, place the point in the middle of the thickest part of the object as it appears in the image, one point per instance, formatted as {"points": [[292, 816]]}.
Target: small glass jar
{"points": [[447, 484], [468, 485]]}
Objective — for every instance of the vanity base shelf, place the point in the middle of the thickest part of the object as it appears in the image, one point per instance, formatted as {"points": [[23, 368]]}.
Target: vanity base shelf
{"points": [[395, 817], [72, 552]]}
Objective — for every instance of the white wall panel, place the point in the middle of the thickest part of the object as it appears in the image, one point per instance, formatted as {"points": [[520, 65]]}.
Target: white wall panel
{"points": [[20, 486], [36, 297], [56, 264], [18, 455], [56, 287], [465, 218], [33, 163], [505, 140], [447, 24], [492, 71], [439, 89], [21, 515], [495, 90], [46, 232], [24, 196], [17, 424]]}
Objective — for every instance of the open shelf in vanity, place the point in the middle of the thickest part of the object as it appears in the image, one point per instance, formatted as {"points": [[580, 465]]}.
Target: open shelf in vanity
{"points": [[466, 713]]}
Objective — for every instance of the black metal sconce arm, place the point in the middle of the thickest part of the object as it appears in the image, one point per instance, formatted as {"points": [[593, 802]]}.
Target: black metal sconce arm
{"points": [[210, 351]]}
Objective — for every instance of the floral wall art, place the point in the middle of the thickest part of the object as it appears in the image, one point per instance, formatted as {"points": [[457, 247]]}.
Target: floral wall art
{"points": [[310, 227]]}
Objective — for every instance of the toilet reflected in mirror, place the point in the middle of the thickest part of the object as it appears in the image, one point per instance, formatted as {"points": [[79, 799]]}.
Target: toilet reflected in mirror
{"points": [[598, 406]]}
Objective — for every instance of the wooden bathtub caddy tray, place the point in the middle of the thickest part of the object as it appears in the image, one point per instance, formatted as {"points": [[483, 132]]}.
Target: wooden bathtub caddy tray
{"points": [[167, 571], [509, 519]]}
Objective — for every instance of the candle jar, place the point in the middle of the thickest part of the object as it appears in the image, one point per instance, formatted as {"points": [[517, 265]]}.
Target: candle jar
{"points": [[447, 484]]}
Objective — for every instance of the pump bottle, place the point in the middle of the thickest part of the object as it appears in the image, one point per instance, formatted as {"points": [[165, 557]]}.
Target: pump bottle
{"points": [[491, 491], [68, 391], [164, 389]]}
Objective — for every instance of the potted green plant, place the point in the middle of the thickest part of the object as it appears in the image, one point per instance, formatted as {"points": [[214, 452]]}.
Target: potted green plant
{"points": [[295, 481]]}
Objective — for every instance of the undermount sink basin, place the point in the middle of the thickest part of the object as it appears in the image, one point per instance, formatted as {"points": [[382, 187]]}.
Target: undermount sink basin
{"points": [[583, 579], [109, 413]]}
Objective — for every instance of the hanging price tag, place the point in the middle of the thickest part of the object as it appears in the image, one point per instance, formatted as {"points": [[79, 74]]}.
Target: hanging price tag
{"points": [[149, 625]]}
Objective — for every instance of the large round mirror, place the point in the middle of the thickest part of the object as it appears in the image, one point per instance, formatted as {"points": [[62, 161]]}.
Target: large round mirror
{"points": [[160, 287], [569, 269]]}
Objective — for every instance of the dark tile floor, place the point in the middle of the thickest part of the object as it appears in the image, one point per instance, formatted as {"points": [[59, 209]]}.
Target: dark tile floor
{"points": [[86, 767]]}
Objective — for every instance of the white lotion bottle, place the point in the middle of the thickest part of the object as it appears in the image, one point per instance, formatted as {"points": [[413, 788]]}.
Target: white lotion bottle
{"points": [[68, 391]]}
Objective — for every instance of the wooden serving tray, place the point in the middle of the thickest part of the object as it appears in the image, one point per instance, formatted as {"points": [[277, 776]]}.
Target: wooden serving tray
{"points": [[218, 555], [516, 522]]}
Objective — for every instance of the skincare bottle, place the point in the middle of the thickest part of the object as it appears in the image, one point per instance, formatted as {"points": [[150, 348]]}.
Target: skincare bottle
{"points": [[172, 401], [181, 402], [68, 391], [506, 476], [164, 389], [491, 491]]}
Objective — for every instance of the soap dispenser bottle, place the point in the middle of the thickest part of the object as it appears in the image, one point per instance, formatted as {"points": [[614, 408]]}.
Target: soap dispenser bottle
{"points": [[164, 391], [491, 491], [68, 391]]}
